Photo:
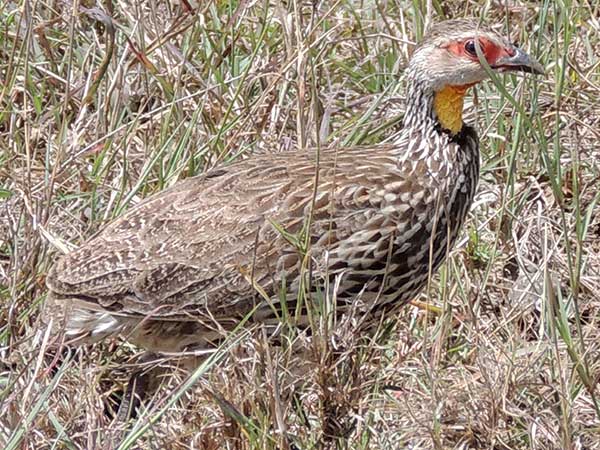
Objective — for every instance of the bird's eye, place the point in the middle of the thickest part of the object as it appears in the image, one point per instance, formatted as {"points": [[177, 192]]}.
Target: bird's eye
{"points": [[470, 48]]}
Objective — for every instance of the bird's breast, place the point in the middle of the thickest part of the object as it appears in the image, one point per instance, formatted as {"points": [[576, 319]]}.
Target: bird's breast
{"points": [[415, 222]]}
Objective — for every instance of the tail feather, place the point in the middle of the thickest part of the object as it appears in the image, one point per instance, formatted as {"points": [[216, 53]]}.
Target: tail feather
{"points": [[78, 321], [96, 325]]}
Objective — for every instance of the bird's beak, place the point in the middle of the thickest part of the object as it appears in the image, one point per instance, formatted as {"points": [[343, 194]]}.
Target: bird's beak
{"points": [[518, 62]]}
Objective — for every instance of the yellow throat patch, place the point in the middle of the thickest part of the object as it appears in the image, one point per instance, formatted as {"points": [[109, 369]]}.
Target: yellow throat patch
{"points": [[448, 105]]}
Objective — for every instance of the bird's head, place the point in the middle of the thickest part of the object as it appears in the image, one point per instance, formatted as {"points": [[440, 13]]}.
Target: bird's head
{"points": [[449, 61]]}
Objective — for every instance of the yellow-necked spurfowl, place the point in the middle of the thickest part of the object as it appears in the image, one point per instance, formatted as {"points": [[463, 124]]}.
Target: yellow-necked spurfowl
{"points": [[188, 263]]}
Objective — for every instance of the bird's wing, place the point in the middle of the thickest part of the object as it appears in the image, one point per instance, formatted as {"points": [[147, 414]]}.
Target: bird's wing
{"points": [[197, 245]]}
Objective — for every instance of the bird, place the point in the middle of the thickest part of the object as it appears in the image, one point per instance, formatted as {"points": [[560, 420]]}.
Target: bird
{"points": [[253, 240]]}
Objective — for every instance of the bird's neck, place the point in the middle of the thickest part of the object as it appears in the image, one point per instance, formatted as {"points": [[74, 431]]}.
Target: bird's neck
{"points": [[440, 109]]}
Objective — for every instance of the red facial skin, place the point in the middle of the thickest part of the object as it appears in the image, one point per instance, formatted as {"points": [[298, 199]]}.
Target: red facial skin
{"points": [[492, 51]]}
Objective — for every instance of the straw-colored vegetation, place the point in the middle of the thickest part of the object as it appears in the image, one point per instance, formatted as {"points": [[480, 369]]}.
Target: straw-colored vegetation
{"points": [[103, 106]]}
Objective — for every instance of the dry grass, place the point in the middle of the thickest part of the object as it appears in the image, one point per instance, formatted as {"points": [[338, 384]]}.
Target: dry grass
{"points": [[96, 114]]}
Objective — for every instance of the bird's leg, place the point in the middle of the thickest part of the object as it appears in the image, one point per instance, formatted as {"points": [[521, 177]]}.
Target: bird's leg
{"points": [[137, 388], [426, 306], [147, 379]]}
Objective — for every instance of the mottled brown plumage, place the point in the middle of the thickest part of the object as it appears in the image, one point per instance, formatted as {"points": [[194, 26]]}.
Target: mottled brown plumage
{"points": [[187, 264]]}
